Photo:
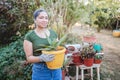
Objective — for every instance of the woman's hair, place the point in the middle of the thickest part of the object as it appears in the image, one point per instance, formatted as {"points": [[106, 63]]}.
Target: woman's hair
{"points": [[37, 12]]}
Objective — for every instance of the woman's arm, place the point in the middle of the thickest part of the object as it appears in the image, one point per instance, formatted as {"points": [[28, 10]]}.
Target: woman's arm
{"points": [[28, 48]]}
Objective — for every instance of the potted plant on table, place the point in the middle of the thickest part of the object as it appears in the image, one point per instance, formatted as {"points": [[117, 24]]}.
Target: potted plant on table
{"points": [[98, 58], [87, 55], [57, 48]]}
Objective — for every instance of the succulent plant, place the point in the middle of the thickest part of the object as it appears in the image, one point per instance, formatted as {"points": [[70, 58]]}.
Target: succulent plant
{"points": [[53, 44], [98, 56], [88, 51]]}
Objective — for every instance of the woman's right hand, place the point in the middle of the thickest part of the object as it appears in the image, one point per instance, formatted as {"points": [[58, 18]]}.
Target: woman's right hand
{"points": [[46, 57]]}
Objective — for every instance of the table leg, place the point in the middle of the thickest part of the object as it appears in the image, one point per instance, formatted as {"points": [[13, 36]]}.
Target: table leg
{"points": [[91, 72], [98, 73], [82, 74], [77, 72]]}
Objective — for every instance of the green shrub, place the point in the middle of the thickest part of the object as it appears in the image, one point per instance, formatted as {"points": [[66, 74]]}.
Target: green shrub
{"points": [[16, 15], [12, 59]]}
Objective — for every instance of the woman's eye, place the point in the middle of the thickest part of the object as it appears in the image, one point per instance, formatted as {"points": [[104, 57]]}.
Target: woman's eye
{"points": [[41, 17], [46, 17]]}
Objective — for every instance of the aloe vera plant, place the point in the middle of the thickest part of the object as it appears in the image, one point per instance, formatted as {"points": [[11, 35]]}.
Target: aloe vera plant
{"points": [[53, 44]]}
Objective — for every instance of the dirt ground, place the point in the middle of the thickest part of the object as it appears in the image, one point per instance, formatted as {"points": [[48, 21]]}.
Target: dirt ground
{"points": [[110, 67], [111, 61]]}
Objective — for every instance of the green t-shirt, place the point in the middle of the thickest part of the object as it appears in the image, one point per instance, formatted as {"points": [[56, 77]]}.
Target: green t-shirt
{"points": [[36, 40]]}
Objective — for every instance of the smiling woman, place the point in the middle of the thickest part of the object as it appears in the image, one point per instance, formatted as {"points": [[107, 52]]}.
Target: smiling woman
{"points": [[32, 42], [41, 18]]}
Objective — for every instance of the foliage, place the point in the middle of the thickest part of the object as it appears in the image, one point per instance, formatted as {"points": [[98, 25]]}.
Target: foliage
{"points": [[73, 12], [73, 39], [15, 16], [105, 15], [12, 62], [98, 56], [60, 29], [87, 52], [53, 44]]}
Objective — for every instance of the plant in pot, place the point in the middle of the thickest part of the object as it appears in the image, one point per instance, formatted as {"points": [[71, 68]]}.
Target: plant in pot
{"points": [[87, 54], [76, 58], [98, 58], [55, 47], [74, 51]]}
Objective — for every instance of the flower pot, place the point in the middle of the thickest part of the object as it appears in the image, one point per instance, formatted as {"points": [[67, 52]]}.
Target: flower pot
{"points": [[116, 33], [58, 59], [76, 59], [89, 39], [97, 61], [88, 62], [71, 48]]}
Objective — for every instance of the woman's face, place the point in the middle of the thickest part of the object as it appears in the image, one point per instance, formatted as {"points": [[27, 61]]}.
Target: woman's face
{"points": [[42, 20]]}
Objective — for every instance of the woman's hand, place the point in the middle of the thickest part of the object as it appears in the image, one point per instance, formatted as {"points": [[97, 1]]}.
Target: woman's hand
{"points": [[46, 57]]}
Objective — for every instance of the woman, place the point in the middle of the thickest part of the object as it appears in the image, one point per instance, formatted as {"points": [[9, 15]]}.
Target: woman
{"points": [[31, 43]]}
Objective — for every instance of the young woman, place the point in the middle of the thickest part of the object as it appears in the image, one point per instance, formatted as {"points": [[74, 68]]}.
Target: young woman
{"points": [[32, 41]]}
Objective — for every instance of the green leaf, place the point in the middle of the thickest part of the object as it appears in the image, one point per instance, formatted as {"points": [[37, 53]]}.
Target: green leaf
{"points": [[62, 40], [42, 45], [49, 40]]}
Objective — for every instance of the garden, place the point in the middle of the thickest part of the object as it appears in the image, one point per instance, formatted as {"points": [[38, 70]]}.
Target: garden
{"points": [[77, 18]]}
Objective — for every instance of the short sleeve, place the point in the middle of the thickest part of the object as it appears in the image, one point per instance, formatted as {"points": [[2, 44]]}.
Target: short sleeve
{"points": [[28, 36]]}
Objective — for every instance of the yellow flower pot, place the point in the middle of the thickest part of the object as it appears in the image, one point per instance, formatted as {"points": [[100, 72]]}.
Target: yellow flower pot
{"points": [[58, 60], [116, 33]]}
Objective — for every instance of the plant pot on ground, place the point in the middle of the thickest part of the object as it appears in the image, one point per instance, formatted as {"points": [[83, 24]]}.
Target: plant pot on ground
{"points": [[116, 33], [89, 36], [89, 39]]}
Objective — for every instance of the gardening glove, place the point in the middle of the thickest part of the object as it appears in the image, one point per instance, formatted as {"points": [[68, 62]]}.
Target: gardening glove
{"points": [[46, 57]]}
